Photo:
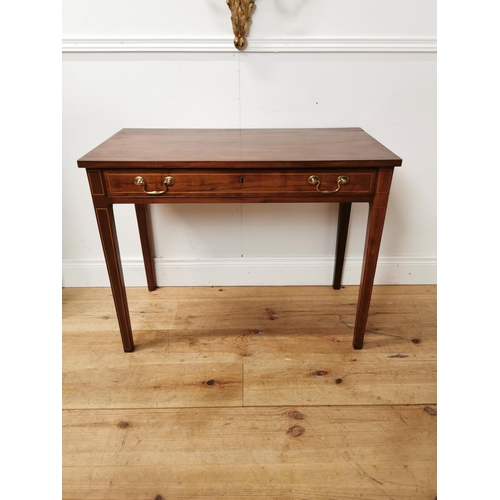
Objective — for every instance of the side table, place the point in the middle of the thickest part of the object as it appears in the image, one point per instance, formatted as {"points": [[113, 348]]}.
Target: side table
{"points": [[144, 166]]}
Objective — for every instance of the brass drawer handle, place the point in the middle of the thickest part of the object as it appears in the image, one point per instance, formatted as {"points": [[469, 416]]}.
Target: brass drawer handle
{"points": [[168, 181], [314, 179]]}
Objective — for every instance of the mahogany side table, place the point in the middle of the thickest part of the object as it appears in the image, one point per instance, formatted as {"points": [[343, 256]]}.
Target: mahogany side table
{"points": [[143, 166]]}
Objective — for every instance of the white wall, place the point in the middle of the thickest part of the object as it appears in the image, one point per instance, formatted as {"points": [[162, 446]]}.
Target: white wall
{"points": [[316, 63]]}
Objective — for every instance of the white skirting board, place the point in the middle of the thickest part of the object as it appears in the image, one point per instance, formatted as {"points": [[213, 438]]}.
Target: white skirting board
{"points": [[252, 272]]}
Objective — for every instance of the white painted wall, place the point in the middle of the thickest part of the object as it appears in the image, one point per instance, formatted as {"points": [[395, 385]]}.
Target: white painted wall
{"points": [[271, 18], [326, 74]]}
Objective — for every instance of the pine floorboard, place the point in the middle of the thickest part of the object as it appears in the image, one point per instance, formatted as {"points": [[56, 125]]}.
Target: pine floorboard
{"points": [[250, 392]]}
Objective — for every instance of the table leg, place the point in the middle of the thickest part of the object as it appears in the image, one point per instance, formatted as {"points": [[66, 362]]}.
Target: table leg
{"points": [[375, 226], [143, 221], [107, 230], [342, 228]]}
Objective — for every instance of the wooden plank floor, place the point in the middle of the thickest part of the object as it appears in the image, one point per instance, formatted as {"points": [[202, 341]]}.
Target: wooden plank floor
{"points": [[250, 392]]}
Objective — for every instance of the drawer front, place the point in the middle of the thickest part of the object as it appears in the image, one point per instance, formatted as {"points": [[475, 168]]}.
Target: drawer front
{"points": [[234, 184]]}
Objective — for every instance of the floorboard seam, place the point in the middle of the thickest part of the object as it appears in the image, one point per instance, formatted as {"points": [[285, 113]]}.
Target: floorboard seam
{"points": [[251, 407]]}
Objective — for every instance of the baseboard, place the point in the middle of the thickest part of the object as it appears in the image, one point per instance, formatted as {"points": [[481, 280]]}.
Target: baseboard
{"points": [[252, 272]]}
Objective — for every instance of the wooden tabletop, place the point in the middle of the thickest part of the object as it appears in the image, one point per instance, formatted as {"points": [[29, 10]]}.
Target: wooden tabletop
{"points": [[235, 148]]}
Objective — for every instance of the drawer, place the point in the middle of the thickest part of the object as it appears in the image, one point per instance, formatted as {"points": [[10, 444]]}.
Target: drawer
{"points": [[238, 184]]}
